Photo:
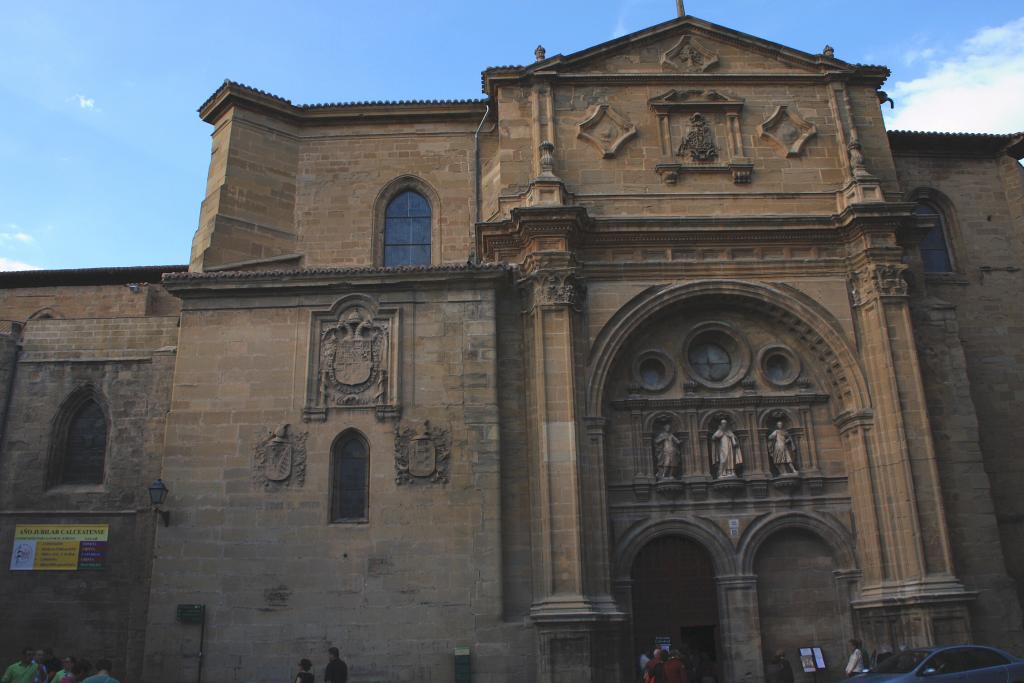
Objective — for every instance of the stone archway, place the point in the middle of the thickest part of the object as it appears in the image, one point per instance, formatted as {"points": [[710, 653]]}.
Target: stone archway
{"points": [[804, 566], [674, 598]]}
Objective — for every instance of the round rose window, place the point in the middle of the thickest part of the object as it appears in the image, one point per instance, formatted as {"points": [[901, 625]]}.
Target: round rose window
{"points": [[710, 361]]}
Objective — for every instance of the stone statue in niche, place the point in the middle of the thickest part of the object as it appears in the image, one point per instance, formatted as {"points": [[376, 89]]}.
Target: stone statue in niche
{"points": [[782, 449], [699, 142], [280, 459], [727, 452], [667, 453]]}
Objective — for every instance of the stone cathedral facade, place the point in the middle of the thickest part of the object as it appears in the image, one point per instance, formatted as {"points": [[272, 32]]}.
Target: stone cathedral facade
{"points": [[667, 338]]}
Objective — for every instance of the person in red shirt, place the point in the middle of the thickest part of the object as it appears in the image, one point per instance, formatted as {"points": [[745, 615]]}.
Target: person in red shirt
{"points": [[675, 672]]}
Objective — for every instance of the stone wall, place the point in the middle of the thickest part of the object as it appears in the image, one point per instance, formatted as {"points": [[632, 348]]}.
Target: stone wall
{"points": [[982, 210], [280, 581], [128, 363]]}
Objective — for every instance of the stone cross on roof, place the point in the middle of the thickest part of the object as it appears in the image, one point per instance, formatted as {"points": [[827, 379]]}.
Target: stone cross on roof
{"points": [[679, 6]]}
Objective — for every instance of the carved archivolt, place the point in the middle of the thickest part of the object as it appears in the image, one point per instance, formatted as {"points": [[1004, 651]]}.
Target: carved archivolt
{"points": [[688, 56], [422, 454], [352, 360], [606, 129], [279, 459], [787, 130]]}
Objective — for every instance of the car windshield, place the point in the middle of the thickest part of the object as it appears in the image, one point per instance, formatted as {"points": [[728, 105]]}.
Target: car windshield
{"points": [[901, 662]]}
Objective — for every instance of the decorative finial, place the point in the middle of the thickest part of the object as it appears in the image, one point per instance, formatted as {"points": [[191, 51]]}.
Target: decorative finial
{"points": [[829, 51], [679, 6], [547, 159], [539, 53]]}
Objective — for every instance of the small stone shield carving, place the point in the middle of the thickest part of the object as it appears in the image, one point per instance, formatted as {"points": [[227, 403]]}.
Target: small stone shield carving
{"points": [[353, 361], [280, 459], [422, 455]]}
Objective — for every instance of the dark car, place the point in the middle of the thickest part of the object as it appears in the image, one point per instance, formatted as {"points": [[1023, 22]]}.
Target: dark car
{"points": [[969, 663]]}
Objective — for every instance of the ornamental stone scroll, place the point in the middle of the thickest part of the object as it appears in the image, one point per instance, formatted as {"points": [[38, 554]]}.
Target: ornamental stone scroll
{"points": [[352, 360]]}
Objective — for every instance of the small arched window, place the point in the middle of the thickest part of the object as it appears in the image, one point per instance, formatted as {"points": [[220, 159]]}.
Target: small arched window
{"points": [[407, 230], [934, 247], [81, 442], [350, 480]]}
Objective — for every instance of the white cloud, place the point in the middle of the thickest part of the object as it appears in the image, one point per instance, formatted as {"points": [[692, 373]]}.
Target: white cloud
{"points": [[11, 264], [913, 55], [980, 89], [15, 234], [85, 102]]}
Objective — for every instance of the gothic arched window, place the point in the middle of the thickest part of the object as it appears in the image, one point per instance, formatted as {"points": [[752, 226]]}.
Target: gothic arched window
{"points": [[934, 247], [350, 480], [407, 230], [80, 441]]}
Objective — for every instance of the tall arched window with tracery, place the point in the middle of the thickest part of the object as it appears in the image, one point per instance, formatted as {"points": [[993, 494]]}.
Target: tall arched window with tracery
{"points": [[935, 246], [80, 441], [350, 478], [407, 224]]}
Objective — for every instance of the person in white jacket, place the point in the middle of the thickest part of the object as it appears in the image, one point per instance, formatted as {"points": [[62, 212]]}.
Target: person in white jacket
{"points": [[855, 665]]}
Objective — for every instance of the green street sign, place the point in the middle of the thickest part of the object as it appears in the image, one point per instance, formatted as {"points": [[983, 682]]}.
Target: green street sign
{"points": [[191, 614]]}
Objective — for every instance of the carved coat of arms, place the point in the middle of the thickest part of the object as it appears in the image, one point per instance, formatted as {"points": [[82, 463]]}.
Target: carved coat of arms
{"points": [[353, 353], [279, 459], [422, 454], [699, 142]]}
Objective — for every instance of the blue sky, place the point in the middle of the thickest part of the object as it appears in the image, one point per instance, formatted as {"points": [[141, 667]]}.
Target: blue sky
{"points": [[103, 159]]}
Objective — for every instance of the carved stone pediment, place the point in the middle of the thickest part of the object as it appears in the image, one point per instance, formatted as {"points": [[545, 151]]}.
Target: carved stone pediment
{"points": [[352, 360], [694, 100], [279, 459], [787, 130], [606, 129], [688, 56], [422, 454]]}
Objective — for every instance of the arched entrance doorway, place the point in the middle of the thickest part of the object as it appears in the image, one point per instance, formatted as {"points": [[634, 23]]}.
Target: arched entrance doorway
{"points": [[675, 598], [798, 603]]}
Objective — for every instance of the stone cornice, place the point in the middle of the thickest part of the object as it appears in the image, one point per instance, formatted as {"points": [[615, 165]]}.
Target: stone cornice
{"points": [[227, 283], [236, 94], [510, 239]]}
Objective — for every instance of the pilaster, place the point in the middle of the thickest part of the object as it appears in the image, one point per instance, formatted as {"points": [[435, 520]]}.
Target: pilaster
{"points": [[741, 628], [903, 537], [573, 608]]}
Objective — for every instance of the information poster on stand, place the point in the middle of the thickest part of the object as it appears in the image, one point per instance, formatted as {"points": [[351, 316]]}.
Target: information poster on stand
{"points": [[61, 547]]}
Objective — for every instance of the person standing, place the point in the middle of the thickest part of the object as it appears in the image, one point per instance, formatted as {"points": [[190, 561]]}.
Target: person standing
{"points": [[102, 675], [67, 671], [856, 662], [304, 675], [785, 669], [22, 671], [675, 671], [337, 670], [654, 672]]}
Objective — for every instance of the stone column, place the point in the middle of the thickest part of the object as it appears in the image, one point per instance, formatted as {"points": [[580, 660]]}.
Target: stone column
{"points": [[893, 472], [741, 628], [578, 623]]}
